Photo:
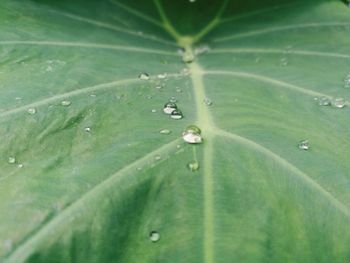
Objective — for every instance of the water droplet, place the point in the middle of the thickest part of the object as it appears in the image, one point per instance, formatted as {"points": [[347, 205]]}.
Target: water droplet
{"points": [[93, 95], [157, 157], [176, 114], [178, 90], [338, 103], [178, 146], [324, 101], [192, 134], [165, 131], [304, 145], [185, 72], [65, 103], [347, 81], [284, 62], [153, 110], [201, 49], [162, 76], [20, 165], [193, 166], [208, 102], [31, 111], [169, 107], [11, 160], [144, 76], [192, 1], [159, 87], [154, 236], [173, 100], [87, 129], [149, 97]]}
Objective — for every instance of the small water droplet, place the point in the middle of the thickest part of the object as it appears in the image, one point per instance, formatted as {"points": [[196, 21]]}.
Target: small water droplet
{"points": [[31, 111], [304, 145], [192, 134], [208, 102], [144, 76], [153, 110], [169, 107], [159, 87], [165, 131], [87, 129], [185, 72], [157, 157], [338, 103], [11, 160], [178, 90], [284, 62], [193, 166], [93, 95], [65, 103], [176, 114], [149, 97], [173, 100], [178, 146], [162, 76], [154, 236], [324, 101], [192, 1], [20, 165], [347, 81]]}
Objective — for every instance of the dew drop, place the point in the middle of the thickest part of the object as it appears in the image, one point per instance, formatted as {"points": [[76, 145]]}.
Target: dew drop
{"points": [[304, 145], [185, 72], [192, 134], [144, 76], [87, 129], [173, 100], [193, 166], [20, 165], [65, 103], [31, 111], [284, 62], [162, 76], [169, 107], [178, 90], [347, 81], [324, 101], [159, 87], [176, 114], [338, 103], [149, 97], [208, 102], [192, 1], [153, 110], [11, 160], [157, 157], [154, 236], [165, 131]]}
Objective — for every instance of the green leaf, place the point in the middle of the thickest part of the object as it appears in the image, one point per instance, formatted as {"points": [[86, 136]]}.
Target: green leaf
{"points": [[92, 170]]}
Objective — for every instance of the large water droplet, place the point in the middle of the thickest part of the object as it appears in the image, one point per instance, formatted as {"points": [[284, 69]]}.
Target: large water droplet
{"points": [[169, 107], [193, 166], [338, 103], [154, 236], [11, 160], [31, 111], [165, 131], [304, 145], [66, 103], [208, 102], [192, 134], [176, 114], [144, 76]]}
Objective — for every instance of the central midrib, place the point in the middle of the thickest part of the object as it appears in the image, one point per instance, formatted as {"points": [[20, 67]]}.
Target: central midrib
{"points": [[205, 123]]}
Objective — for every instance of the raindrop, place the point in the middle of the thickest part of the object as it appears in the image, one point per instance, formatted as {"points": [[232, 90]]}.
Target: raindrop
{"points": [[65, 103], [20, 165], [324, 101], [31, 111], [347, 81], [338, 103], [154, 236], [169, 107], [173, 100], [284, 62], [304, 145], [162, 76], [176, 114], [87, 129], [144, 76], [193, 166], [192, 134], [165, 131], [153, 110], [11, 160], [208, 102]]}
